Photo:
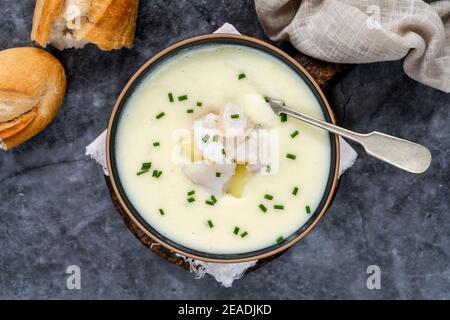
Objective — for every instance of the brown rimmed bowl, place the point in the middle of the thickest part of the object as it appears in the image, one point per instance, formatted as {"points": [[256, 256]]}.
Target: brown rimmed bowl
{"points": [[143, 225]]}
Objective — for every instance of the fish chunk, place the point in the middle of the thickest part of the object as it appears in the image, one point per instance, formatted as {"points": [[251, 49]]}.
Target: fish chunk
{"points": [[233, 122], [204, 174], [204, 131]]}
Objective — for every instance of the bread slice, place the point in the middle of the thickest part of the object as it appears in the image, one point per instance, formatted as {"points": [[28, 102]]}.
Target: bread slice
{"points": [[32, 89], [109, 24]]}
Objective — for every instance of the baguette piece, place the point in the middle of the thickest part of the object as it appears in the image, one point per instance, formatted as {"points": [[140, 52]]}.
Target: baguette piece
{"points": [[32, 89], [109, 24]]}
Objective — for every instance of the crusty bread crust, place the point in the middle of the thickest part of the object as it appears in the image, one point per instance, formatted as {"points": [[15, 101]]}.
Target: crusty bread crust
{"points": [[111, 24], [34, 77]]}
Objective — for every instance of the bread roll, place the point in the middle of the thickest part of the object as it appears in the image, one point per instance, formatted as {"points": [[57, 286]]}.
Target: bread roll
{"points": [[110, 24], [32, 89]]}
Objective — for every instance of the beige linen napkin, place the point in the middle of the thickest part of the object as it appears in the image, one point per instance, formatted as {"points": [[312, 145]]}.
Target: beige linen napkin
{"points": [[362, 31], [224, 273]]}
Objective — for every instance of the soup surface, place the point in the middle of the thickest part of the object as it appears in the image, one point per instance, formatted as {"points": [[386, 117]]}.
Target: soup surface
{"points": [[272, 204]]}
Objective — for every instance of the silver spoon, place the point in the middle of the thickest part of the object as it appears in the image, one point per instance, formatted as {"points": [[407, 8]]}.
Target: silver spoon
{"points": [[401, 153]]}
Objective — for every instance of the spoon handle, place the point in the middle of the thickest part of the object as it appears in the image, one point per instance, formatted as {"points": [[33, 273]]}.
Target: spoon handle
{"points": [[403, 154]]}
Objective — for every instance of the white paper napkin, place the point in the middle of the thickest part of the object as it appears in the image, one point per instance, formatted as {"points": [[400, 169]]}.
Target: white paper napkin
{"points": [[224, 273]]}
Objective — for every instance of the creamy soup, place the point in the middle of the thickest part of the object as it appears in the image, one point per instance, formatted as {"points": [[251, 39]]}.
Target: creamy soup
{"points": [[230, 207]]}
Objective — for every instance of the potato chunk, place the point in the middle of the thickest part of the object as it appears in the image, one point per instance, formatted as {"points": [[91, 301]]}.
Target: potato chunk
{"points": [[238, 181]]}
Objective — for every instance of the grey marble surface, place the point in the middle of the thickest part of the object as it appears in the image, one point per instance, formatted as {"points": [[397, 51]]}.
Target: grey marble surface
{"points": [[55, 210]]}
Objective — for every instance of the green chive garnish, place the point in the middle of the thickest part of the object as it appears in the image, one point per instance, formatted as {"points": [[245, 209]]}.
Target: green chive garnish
{"points": [[267, 99], [161, 211], [308, 209], [209, 202], [280, 239], [268, 168], [295, 191], [146, 166], [213, 199], [262, 207], [244, 234], [191, 199], [205, 138], [218, 174], [236, 230], [241, 76], [223, 151], [190, 111], [210, 224], [216, 138], [199, 104], [183, 98], [160, 115], [278, 207], [283, 117], [170, 97], [156, 144], [268, 197], [294, 134], [291, 156], [235, 116], [190, 193], [156, 173]]}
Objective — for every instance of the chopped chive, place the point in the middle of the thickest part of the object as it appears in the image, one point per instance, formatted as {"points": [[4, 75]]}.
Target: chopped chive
{"points": [[191, 199], [170, 97], [210, 224], [199, 104], [156, 144], [241, 76], [218, 174], [209, 202], [161, 211], [190, 111], [183, 98], [294, 134], [216, 138], [146, 166], [205, 138], [268, 197], [295, 191], [160, 115], [268, 168], [263, 208], [291, 156], [235, 116], [278, 207], [156, 173], [280, 239], [308, 209], [283, 117], [236, 230], [267, 99], [141, 172], [213, 199], [190, 193], [244, 234], [223, 151]]}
